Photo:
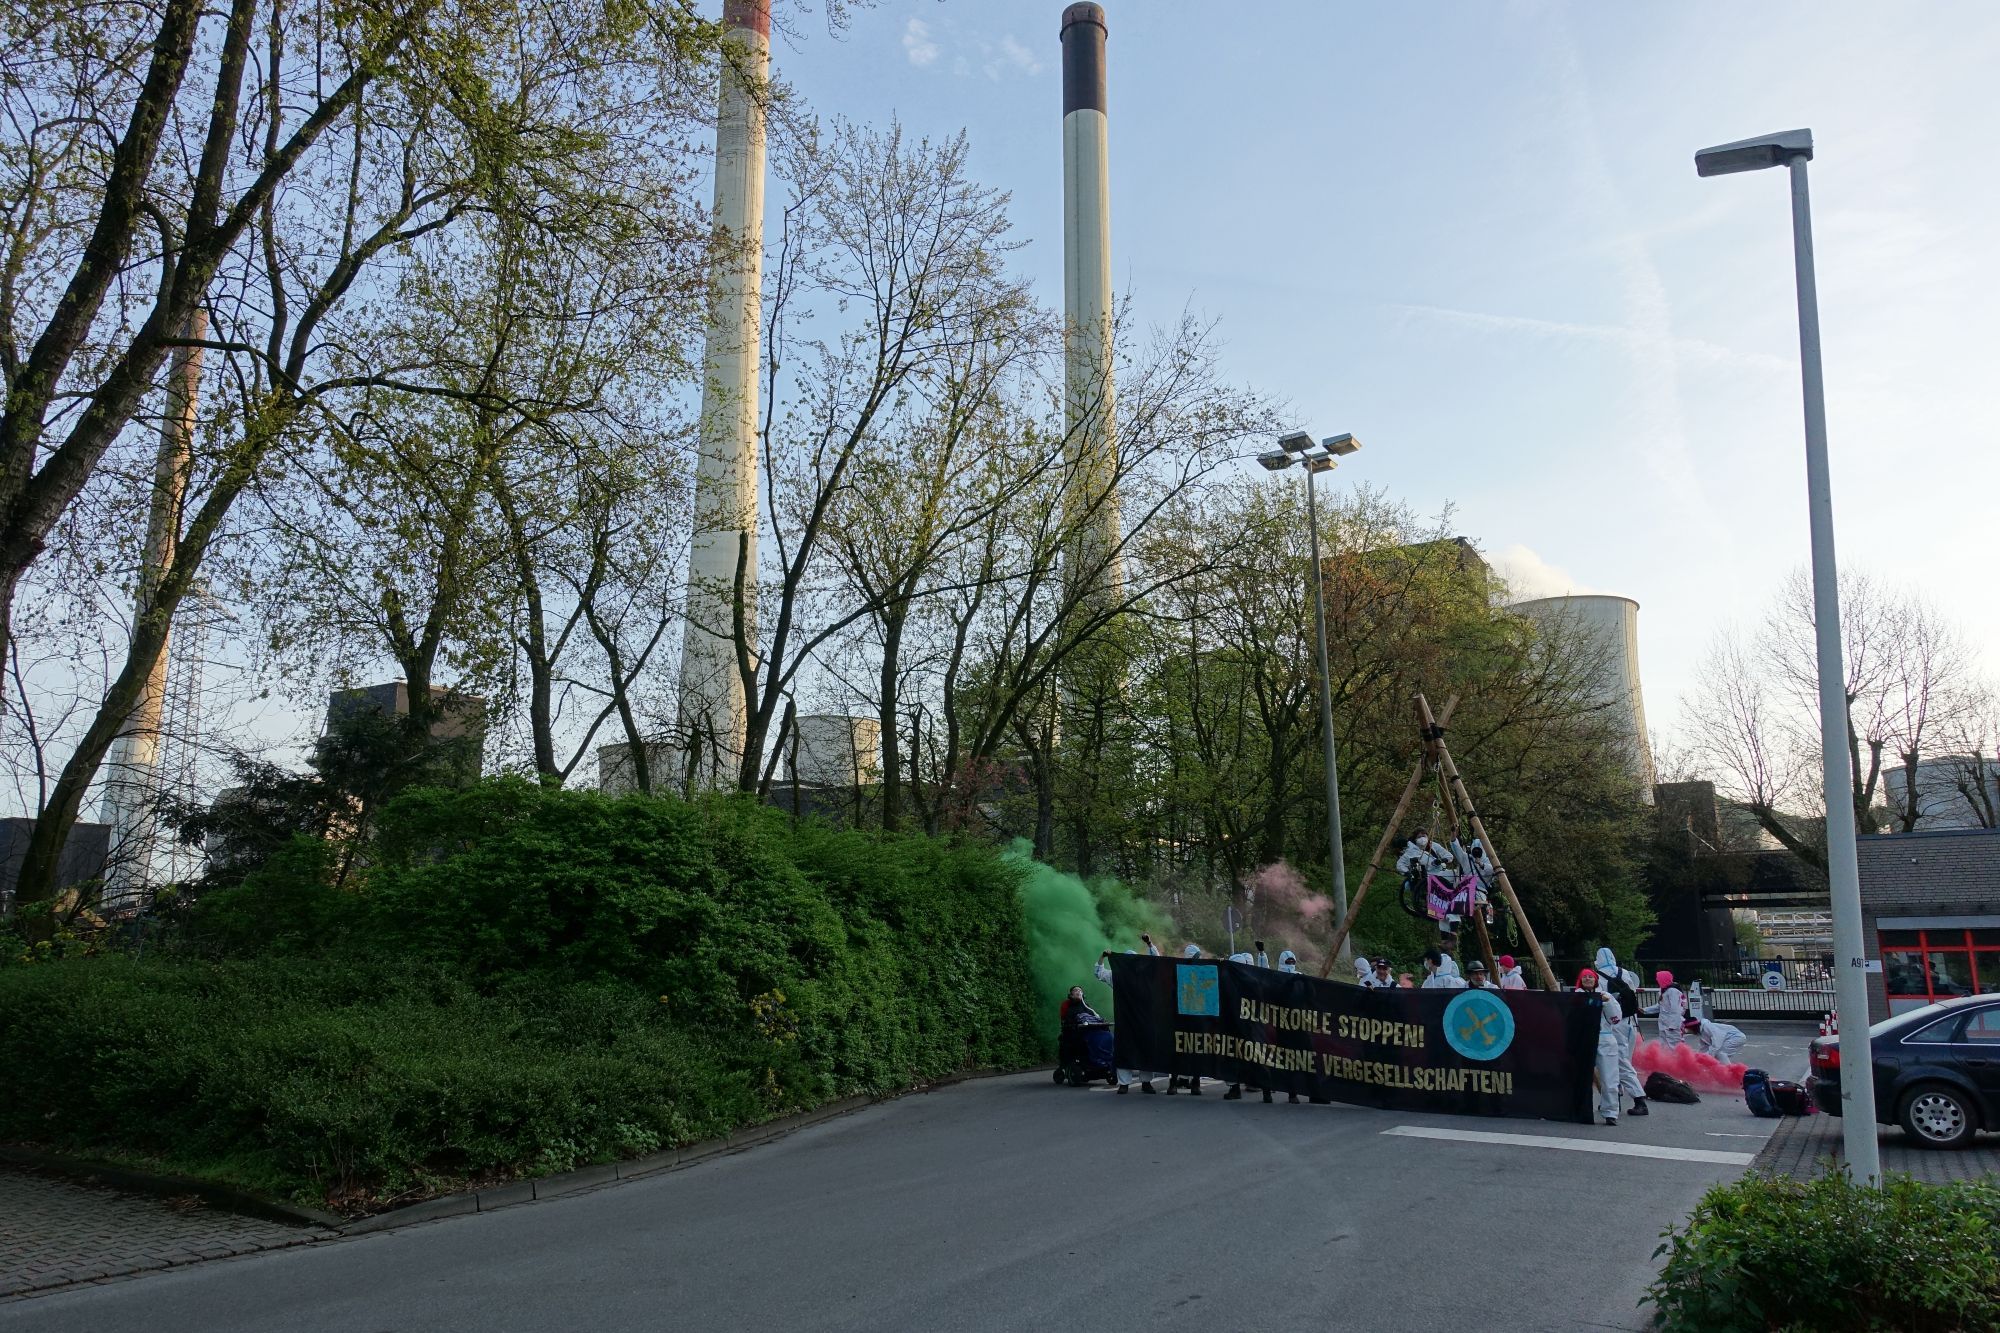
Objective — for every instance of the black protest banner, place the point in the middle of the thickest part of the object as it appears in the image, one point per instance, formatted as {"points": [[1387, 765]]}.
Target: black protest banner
{"points": [[1468, 1052]]}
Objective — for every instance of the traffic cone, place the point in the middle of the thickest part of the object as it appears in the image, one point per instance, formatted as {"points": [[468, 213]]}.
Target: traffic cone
{"points": [[1834, 1019]]}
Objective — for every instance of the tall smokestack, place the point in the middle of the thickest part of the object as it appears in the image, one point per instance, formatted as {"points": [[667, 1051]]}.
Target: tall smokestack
{"points": [[712, 713], [131, 768], [1087, 293]]}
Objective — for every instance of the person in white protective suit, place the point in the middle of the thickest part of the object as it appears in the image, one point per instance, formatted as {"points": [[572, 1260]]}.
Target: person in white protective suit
{"points": [[1381, 976], [1193, 1081], [1288, 962], [1717, 1039], [1672, 1010], [1609, 1015], [1440, 973], [1362, 968], [1472, 862], [1510, 973], [1235, 1093], [1624, 984], [1420, 855], [1263, 959], [1126, 1077]]}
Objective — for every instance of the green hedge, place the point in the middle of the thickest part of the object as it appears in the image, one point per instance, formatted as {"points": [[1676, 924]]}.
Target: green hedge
{"points": [[523, 980], [1776, 1253]]}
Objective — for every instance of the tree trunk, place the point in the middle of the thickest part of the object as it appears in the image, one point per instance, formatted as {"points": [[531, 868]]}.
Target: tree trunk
{"points": [[41, 862], [892, 760]]}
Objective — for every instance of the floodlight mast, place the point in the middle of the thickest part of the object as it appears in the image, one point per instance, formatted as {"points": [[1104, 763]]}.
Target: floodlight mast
{"points": [[1792, 149], [1295, 447]]}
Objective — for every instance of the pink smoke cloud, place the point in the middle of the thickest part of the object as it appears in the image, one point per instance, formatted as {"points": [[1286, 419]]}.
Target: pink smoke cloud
{"points": [[1704, 1073], [1279, 887]]}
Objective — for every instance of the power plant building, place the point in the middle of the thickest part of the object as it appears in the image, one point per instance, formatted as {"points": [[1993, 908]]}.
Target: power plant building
{"points": [[1611, 625]]}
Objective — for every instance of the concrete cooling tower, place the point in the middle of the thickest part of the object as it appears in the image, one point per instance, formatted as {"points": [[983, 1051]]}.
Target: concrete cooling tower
{"points": [[1613, 623]]}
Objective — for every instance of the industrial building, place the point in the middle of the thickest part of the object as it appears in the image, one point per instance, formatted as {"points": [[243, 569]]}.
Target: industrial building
{"points": [[1930, 916]]}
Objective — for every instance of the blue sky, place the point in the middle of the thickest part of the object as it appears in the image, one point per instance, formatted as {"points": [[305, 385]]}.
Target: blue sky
{"points": [[1471, 233]]}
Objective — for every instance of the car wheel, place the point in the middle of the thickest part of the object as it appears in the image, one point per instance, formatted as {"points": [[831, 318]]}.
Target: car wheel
{"points": [[1059, 1073], [1939, 1117]]}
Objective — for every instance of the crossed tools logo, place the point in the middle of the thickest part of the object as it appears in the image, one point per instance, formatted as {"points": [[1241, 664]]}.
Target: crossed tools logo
{"points": [[1479, 1025], [1199, 991]]}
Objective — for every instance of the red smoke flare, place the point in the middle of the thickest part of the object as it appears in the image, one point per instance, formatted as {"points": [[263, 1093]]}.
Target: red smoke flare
{"points": [[1704, 1073]]}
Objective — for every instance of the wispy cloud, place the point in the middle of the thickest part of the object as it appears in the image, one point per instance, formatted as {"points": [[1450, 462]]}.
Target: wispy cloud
{"points": [[968, 54], [917, 43], [1640, 341], [1010, 56]]}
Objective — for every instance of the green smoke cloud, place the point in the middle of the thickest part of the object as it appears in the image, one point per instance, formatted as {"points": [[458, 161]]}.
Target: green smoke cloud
{"points": [[1070, 922]]}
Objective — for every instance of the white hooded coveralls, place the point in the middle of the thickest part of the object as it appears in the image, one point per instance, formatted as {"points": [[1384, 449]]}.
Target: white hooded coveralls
{"points": [[1627, 1026], [1672, 1010], [1721, 1040], [1608, 1056], [1511, 978]]}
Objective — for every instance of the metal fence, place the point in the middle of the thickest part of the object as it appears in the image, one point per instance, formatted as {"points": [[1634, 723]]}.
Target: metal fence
{"points": [[1745, 988]]}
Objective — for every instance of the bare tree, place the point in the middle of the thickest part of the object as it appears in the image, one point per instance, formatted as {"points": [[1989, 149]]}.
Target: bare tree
{"points": [[1756, 720]]}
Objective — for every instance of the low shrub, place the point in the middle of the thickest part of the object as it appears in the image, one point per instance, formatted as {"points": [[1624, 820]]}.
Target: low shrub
{"points": [[1777, 1253], [518, 980]]}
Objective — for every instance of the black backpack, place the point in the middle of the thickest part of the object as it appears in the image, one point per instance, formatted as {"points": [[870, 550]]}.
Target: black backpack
{"points": [[1664, 1087], [1622, 993]]}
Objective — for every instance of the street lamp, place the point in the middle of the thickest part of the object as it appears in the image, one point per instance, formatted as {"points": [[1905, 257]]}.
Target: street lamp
{"points": [[1296, 447], [1793, 149]]}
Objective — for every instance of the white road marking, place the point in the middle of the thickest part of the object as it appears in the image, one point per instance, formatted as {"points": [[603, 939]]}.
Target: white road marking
{"points": [[1577, 1145], [1721, 1134]]}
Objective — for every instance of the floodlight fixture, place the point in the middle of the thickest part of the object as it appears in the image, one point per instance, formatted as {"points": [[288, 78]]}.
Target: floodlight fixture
{"points": [[1320, 463], [1341, 445], [1277, 462], [1295, 441], [1766, 150]]}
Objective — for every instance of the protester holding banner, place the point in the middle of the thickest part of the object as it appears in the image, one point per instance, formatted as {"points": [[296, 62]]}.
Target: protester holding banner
{"points": [[1624, 985], [1608, 1015], [1127, 1077], [1437, 976], [1466, 1051], [1287, 961]]}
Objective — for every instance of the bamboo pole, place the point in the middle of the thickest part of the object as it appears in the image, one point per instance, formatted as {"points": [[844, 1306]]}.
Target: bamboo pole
{"points": [[1381, 848], [1434, 731]]}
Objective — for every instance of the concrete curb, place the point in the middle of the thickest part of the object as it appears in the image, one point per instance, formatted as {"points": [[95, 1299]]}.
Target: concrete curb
{"points": [[606, 1173], [228, 1198]]}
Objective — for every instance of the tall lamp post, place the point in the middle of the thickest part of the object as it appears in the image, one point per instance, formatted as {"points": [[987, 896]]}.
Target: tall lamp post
{"points": [[1297, 447], [1792, 149]]}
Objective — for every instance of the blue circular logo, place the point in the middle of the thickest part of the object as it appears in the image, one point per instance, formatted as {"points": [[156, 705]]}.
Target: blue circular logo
{"points": [[1479, 1025]]}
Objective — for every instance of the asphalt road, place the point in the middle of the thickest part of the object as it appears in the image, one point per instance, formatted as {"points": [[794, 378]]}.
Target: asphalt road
{"points": [[1010, 1203]]}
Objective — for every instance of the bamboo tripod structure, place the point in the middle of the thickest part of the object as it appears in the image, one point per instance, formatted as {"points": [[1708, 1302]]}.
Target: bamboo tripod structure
{"points": [[1436, 753], [1381, 850], [1455, 785]]}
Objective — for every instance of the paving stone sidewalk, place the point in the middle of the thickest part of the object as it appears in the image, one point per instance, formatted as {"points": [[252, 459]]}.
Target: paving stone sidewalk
{"points": [[1809, 1144], [56, 1232]]}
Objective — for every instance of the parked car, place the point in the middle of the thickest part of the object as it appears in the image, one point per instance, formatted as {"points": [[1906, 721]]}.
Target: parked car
{"points": [[1937, 1071]]}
